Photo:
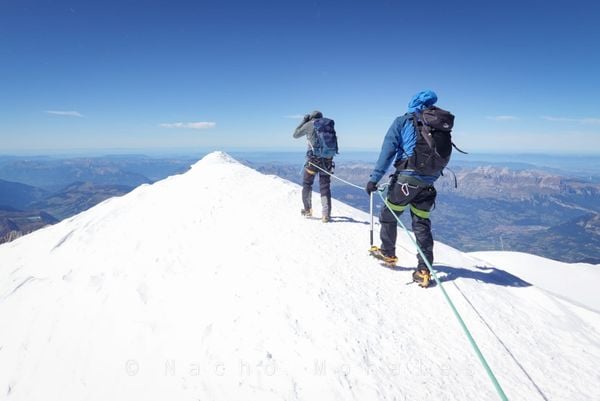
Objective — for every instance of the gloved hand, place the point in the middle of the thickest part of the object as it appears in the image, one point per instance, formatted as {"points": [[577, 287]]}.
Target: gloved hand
{"points": [[371, 187], [306, 118]]}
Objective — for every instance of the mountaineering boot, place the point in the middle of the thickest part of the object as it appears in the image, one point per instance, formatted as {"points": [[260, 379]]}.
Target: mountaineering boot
{"points": [[377, 253], [306, 212], [422, 277], [325, 219]]}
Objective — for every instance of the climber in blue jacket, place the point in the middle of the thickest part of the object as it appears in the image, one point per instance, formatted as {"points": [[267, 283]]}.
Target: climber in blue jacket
{"points": [[408, 187]]}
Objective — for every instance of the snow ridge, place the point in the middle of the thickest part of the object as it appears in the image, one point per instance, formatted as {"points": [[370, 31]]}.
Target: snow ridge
{"points": [[210, 285]]}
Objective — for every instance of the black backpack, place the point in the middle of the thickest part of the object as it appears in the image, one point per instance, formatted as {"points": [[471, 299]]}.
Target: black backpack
{"points": [[434, 141]]}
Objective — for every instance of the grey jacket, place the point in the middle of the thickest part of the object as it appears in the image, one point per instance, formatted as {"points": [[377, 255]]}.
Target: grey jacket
{"points": [[307, 127]]}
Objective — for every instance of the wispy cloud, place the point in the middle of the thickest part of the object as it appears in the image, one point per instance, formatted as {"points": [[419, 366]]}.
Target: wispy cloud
{"points": [[558, 119], [191, 125], [502, 118], [294, 116], [66, 113], [593, 121]]}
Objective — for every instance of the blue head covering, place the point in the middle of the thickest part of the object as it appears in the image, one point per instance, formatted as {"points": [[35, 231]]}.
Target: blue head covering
{"points": [[422, 100]]}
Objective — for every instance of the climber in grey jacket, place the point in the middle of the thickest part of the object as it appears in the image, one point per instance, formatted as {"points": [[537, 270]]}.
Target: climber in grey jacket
{"points": [[307, 128]]}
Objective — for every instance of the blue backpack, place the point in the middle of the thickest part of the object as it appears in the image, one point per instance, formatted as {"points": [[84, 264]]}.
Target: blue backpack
{"points": [[326, 145]]}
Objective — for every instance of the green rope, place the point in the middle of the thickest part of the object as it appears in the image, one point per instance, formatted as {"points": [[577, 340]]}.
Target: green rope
{"points": [[456, 314], [439, 283]]}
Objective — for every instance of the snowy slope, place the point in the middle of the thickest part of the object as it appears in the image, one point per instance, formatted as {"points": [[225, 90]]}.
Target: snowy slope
{"points": [[575, 282], [210, 286]]}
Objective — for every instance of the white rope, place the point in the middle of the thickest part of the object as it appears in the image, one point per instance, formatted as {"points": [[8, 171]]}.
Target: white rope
{"points": [[336, 177]]}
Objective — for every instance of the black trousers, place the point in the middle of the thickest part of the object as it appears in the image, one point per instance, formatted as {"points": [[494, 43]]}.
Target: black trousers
{"points": [[419, 198], [310, 172]]}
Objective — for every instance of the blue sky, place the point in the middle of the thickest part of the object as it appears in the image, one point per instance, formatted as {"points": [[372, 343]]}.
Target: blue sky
{"points": [[519, 76]]}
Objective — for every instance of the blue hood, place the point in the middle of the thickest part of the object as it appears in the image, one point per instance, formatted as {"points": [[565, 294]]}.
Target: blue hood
{"points": [[422, 100]]}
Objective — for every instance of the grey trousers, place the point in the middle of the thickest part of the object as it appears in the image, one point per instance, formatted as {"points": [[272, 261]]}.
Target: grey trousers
{"points": [[310, 172]]}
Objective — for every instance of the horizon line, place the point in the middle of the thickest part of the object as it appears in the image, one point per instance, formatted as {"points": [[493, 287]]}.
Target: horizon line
{"points": [[142, 150]]}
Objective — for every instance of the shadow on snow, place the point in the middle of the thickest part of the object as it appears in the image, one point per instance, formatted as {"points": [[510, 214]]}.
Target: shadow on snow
{"points": [[488, 275], [344, 219], [340, 219]]}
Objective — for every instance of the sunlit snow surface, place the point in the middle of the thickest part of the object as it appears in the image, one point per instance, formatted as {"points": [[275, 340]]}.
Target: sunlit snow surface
{"points": [[211, 286]]}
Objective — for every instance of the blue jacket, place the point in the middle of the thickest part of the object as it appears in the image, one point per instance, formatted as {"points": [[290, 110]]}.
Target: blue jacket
{"points": [[401, 138]]}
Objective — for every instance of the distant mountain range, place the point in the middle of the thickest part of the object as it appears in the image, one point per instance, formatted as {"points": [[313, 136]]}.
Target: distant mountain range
{"points": [[77, 197], [496, 208], [49, 190], [33, 208], [526, 208], [55, 174], [17, 195], [16, 223]]}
